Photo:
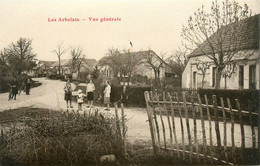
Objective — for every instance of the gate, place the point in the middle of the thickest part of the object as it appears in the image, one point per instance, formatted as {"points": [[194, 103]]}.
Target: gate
{"points": [[202, 132]]}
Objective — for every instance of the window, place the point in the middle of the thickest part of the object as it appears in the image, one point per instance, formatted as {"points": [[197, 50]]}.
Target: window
{"points": [[241, 77], [194, 79], [214, 76], [252, 77]]}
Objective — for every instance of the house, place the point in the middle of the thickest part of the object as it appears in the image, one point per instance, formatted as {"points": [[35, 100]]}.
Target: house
{"points": [[141, 68], [41, 68], [66, 67], [245, 63]]}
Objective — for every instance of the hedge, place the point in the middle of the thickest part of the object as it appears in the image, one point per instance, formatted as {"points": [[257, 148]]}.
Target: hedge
{"points": [[135, 94], [242, 95]]}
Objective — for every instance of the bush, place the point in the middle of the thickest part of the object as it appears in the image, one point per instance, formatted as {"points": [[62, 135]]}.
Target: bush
{"points": [[4, 87], [56, 77], [40, 136], [242, 95], [135, 94]]}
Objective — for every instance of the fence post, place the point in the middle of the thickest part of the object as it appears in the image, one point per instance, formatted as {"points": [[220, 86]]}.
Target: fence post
{"points": [[242, 130], [187, 124], [150, 120], [118, 130], [232, 130], [203, 128], [155, 120], [225, 128], [252, 124], [123, 130], [182, 127], [163, 127], [173, 126], [169, 122], [214, 98], [210, 127], [194, 111]]}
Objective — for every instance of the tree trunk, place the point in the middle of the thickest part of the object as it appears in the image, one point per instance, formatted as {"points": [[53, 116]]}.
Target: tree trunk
{"points": [[158, 77], [78, 72], [155, 77], [59, 65], [129, 78], [225, 82], [218, 77], [202, 84]]}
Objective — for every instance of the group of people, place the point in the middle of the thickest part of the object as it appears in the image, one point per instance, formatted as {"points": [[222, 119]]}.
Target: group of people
{"points": [[90, 88], [17, 87]]}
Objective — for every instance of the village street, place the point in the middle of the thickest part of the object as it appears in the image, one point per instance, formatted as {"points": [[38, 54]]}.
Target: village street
{"points": [[51, 95]]}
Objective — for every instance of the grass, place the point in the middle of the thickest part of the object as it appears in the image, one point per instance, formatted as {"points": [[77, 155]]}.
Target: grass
{"points": [[44, 137]]}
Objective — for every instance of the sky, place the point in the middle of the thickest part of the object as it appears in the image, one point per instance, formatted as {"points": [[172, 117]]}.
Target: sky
{"points": [[147, 24]]}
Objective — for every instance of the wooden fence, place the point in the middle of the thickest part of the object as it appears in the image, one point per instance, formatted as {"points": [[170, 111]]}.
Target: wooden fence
{"points": [[202, 132]]}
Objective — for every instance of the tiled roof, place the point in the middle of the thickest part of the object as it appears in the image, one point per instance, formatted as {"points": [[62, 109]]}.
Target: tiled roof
{"points": [[248, 37], [140, 54]]}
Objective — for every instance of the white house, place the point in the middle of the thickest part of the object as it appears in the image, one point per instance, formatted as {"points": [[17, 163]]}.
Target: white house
{"points": [[246, 64]]}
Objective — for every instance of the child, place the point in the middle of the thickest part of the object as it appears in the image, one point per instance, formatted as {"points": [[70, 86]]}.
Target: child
{"points": [[80, 98]]}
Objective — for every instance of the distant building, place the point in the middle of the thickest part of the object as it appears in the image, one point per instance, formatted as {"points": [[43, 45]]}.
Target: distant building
{"points": [[49, 68], [143, 69], [246, 71]]}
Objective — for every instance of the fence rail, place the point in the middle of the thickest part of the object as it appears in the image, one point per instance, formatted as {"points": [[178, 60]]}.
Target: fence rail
{"points": [[181, 123]]}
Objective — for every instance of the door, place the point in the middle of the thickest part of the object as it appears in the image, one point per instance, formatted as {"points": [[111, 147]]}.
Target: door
{"points": [[252, 77]]}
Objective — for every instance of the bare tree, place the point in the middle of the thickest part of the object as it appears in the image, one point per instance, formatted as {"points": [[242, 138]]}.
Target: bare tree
{"points": [[216, 34], [202, 66], [130, 62], [77, 58], [178, 60], [59, 52], [156, 63], [228, 71], [19, 56], [3, 63], [122, 64]]}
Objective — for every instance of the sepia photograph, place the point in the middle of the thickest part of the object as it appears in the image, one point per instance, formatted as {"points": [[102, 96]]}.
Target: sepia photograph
{"points": [[129, 82]]}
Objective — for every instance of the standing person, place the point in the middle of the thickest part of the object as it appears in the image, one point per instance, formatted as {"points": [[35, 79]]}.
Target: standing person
{"points": [[68, 93], [107, 92], [124, 96], [10, 96], [28, 86], [14, 86], [80, 99], [90, 93]]}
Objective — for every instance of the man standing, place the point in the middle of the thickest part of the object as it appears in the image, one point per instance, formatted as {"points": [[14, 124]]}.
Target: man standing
{"points": [[107, 92], [28, 86]]}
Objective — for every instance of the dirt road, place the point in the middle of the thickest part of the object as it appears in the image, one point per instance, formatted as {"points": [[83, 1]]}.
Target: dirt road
{"points": [[51, 95]]}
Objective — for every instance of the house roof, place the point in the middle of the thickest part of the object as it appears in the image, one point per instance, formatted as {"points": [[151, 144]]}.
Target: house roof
{"points": [[67, 62], [141, 55], [47, 63], [250, 27]]}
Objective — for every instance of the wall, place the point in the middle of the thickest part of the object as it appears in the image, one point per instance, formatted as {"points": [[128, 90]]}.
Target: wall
{"points": [[232, 82]]}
